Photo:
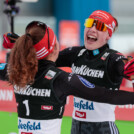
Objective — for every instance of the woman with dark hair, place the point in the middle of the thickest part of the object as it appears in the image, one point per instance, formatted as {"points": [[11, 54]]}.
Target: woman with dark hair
{"points": [[41, 89]]}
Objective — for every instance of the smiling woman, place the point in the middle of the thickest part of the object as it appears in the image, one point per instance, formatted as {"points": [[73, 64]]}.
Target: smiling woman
{"points": [[98, 29], [98, 64]]}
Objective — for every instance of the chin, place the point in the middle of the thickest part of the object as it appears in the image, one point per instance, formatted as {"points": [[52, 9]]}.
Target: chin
{"points": [[89, 47]]}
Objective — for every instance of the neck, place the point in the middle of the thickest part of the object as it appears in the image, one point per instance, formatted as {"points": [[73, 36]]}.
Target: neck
{"points": [[51, 57], [99, 50], [91, 54]]}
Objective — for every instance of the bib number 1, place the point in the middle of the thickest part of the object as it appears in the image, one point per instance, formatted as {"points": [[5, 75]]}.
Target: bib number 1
{"points": [[25, 102]]}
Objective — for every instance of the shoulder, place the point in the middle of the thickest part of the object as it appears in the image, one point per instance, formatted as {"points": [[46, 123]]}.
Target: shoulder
{"points": [[52, 73], [116, 55]]}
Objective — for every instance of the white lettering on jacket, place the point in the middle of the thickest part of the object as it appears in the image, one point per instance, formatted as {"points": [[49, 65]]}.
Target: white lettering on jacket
{"points": [[86, 71], [33, 91]]}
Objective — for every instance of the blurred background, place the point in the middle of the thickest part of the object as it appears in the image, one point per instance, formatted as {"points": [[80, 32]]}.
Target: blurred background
{"points": [[66, 18]]}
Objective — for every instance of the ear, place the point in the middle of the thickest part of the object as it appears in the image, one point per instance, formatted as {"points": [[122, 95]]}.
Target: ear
{"points": [[108, 37]]}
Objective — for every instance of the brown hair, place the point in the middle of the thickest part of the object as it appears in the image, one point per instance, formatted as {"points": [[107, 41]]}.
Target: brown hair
{"points": [[23, 63], [116, 24]]}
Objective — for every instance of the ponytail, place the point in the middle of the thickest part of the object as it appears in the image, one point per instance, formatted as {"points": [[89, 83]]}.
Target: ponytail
{"points": [[23, 63]]}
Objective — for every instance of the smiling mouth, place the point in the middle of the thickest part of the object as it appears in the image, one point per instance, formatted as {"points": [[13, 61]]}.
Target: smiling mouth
{"points": [[91, 38]]}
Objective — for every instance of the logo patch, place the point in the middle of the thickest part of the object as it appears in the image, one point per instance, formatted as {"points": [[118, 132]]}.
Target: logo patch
{"points": [[105, 56], [82, 105], [96, 52], [2, 66], [28, 126], [50, 74], [80, 114], [45, 107], [86, 83]]}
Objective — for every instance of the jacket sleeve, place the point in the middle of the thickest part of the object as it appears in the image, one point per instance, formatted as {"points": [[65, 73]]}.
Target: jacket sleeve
{"points": [[71, 84], [115, 67], [116, 63]]}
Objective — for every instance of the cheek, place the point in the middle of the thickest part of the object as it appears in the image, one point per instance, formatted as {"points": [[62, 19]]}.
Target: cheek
{"points": [[85, 32], [103, 37]]}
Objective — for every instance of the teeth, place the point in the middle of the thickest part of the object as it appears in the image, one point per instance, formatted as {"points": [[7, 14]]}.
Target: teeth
{"points": [[91, 37]]}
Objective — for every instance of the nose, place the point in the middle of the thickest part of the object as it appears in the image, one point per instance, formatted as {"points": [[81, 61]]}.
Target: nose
{"points": [[93, 28]]}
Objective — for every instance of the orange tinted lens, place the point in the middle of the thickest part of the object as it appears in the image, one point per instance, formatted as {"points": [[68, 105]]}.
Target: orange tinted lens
{"points": [[105, 28], [100, 26]]}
